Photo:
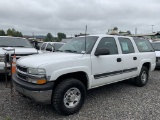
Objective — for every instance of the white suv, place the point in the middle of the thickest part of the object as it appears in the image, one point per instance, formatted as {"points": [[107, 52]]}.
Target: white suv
{"points": [[156, 46], [22, 48], [62, 78]]}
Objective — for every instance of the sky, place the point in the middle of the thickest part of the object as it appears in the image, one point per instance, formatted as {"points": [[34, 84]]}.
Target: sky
{"points": [[40, 17]]}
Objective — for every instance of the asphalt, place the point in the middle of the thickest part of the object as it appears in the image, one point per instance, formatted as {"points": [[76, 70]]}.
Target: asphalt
{"points": [[118, 101]]}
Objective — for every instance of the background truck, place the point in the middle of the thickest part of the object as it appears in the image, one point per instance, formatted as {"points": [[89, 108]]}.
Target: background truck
{"points": [[20, 46], [62, 78]]}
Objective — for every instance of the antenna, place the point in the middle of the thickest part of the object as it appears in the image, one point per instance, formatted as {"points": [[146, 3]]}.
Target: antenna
{"points": [[85, 37]]}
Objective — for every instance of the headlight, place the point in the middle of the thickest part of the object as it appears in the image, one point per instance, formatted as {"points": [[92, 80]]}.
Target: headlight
{"points": [[36, 71], [2, 58]]}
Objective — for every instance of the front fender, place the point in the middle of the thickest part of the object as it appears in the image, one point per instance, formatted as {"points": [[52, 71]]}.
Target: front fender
{"points": [[56, 74]]}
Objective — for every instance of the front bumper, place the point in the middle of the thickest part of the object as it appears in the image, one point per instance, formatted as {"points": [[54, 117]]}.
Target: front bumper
{"points": [[39, 93]]}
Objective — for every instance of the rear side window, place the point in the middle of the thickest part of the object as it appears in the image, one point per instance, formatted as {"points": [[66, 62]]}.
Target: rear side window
{"points": [[126, 45], [110, 44], [43, 46], [143, 45]]}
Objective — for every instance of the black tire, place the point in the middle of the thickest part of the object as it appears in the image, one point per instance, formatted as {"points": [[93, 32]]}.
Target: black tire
{"points": [[142, 79], [62, 91]]}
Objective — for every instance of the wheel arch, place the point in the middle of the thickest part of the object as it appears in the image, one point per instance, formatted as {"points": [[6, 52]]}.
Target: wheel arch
{"points": [[80, 75]]}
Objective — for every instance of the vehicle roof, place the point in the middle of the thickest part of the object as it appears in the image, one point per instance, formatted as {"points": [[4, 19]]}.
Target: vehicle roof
{"points": [[54, 42], [105, 35], [12, 37]]}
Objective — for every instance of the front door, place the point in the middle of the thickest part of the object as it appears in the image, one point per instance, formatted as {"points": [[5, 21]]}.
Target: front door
{"points": [[106, 68]]}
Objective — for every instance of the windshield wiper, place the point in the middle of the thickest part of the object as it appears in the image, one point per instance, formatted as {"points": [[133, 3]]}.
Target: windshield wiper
{"points": [[17, 46], [72, 51], [4, 46]]}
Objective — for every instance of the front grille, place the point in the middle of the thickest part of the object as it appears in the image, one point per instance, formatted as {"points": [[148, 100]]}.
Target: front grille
{"points": [[23, 69], [21, 76]]}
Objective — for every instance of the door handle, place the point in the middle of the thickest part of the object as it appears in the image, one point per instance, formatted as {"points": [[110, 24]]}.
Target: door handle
{"points": [[119, 59], [134, 58]]}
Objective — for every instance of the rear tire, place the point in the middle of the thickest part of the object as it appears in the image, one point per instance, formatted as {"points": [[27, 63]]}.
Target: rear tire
{"points": [[69, 96], [142, 79]]}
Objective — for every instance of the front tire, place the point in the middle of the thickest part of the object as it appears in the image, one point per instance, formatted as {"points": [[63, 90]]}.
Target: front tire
{"points": [[69, 96], [142, 79]]}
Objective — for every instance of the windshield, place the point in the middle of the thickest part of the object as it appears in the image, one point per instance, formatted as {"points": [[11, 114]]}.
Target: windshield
{"points": [[57, 45], [156, 46], [77, 45], [14, 42]]}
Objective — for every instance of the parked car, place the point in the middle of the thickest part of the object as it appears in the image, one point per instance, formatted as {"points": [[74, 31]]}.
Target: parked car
{"points": [[156, 46], [21, 46], [62, 78], [51, 46]]}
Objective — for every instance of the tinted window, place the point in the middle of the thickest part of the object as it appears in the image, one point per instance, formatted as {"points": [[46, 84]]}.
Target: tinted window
{"points": [[109, 43], [126, 45], [43, 46], [143, 45], [156, 46], [14, 42], [49, 47]]}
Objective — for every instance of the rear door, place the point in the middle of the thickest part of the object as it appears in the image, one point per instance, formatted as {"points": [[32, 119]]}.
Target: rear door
{"points": [[129, 58]]}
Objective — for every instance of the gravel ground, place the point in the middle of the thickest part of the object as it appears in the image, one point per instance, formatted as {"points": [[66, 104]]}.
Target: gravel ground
{"points": [[119, 101]]}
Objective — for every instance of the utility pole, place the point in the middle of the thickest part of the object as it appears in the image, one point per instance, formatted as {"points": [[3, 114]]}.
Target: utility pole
{"points": [[135, 31], [152, 28]]}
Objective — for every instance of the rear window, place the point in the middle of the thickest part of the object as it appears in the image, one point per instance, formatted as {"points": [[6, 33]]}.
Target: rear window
{"points": [[143, 45], [156, 46], [14, 42]]}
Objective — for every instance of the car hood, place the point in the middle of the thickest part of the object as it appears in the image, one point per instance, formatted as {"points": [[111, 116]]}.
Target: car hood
{"points": [[157, 53], [18, 50], [34, 61]]}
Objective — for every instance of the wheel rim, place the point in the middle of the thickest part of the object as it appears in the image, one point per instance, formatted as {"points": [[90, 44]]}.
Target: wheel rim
{"points": [[72, 97], [144, 76]]}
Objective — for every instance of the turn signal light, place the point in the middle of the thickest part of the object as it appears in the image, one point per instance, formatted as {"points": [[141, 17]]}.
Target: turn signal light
{"points": [[41, 81]]}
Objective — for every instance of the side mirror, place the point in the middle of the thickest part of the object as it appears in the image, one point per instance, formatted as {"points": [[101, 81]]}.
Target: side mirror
{"points": [[102, 51]]}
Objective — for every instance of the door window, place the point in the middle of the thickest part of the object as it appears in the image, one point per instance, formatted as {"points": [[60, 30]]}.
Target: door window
{"points": [[126, 45], [110, 44], [49, 47], [43, 46]]}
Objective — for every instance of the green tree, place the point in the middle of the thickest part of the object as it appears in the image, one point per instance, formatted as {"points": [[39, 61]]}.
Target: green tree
{"points": [[9, 32], [61, 36], [14, 33], [2, 33], [49, 38]]}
